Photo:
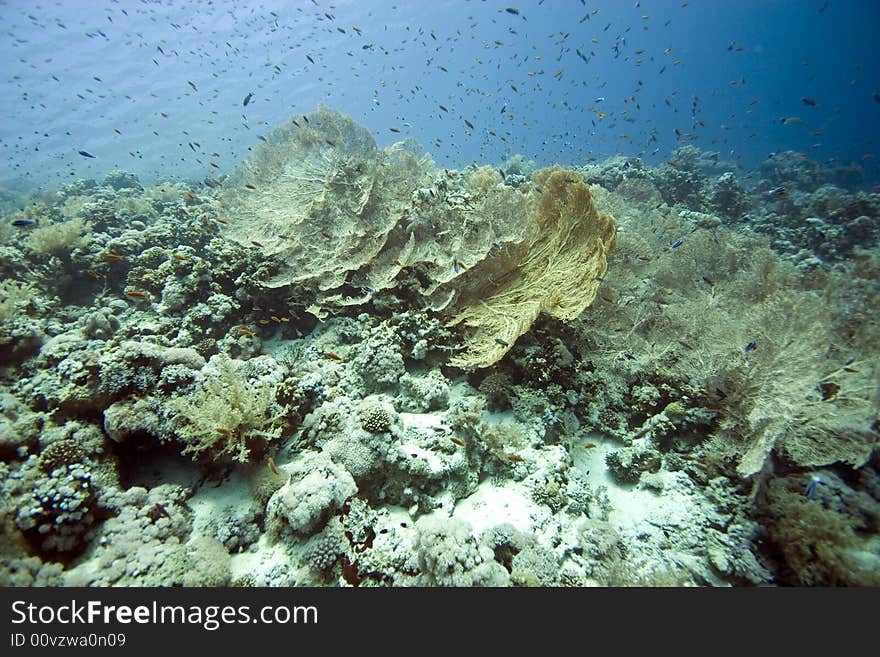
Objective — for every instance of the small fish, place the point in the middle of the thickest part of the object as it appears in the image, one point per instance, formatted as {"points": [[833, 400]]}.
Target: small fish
{"points": [[23, 222], [394, 129], [182, 258], [86, 154], [791, 120], [250, 186], [815, 481], [224, 432], [590, 446], [272, 467], [458, 442], [247, 99], [134, 294], [257, 244], [750, 347], [515, 458], [195, 88], [469, 124], [676, 244], [778, 192], [113, 256], [332, 356], [512, 10], [503, 343], [809, 101], [246, 332]]}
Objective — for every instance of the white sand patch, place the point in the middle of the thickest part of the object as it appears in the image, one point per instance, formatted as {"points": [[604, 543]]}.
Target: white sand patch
{"points": [[635, 508], [260, 558], [211, 501], [492, 505], [424, 422]]}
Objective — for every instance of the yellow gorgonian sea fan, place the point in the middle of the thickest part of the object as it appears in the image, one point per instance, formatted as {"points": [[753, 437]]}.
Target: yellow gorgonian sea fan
{"points": [[556, 269]]}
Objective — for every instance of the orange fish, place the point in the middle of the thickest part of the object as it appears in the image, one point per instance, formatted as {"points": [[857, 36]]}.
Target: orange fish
{"points": [[134, 294]]}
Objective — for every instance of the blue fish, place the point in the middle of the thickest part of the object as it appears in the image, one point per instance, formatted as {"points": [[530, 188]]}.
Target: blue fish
{"points": [[23, 222], [86, 154], [677, 244]]}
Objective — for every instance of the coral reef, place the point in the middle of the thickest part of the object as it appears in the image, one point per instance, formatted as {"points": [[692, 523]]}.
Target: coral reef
{"points": [[343, 366]]}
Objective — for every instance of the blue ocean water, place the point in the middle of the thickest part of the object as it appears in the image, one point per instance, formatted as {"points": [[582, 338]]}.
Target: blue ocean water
{"points": [[158, 88]]}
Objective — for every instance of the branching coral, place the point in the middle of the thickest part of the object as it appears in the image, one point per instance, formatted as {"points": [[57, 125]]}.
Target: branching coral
{"points": [[818, 544], [58, 238], [14, 296], [228, 413], [556, 268]]}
